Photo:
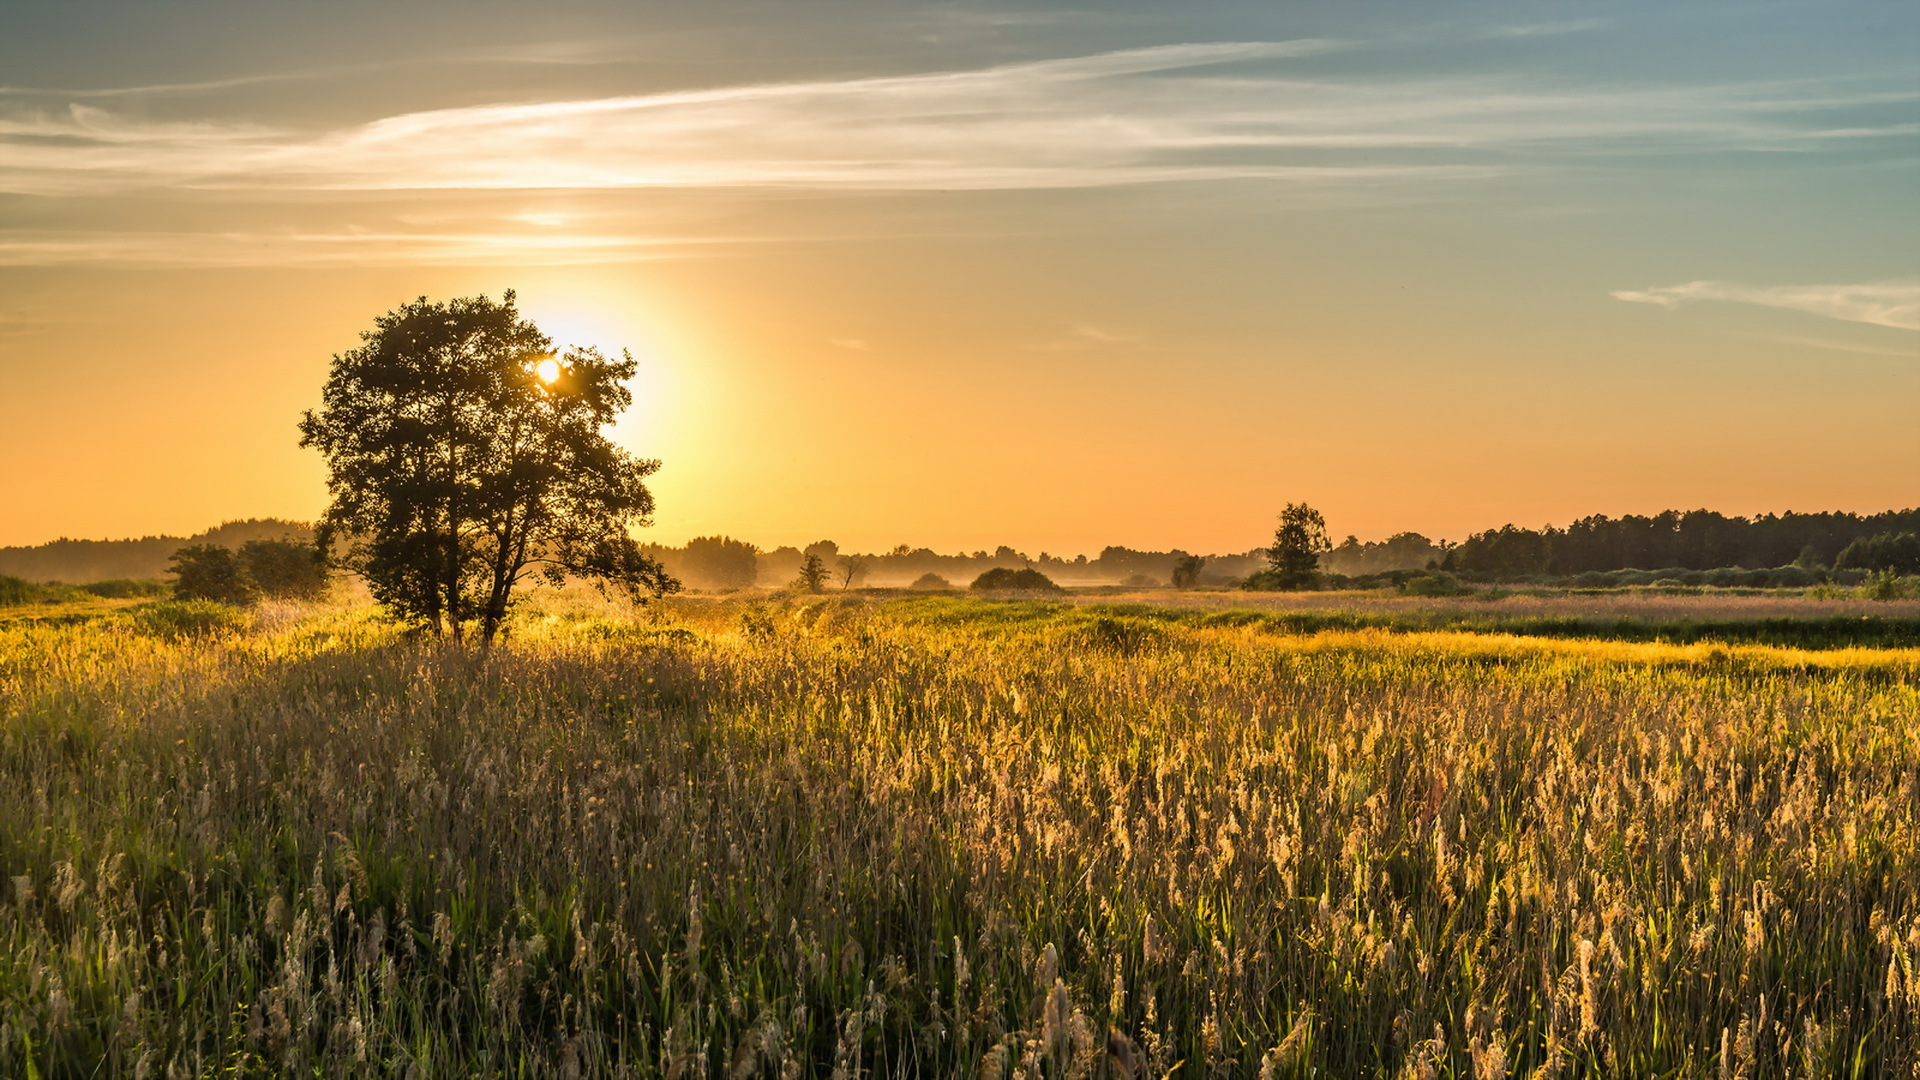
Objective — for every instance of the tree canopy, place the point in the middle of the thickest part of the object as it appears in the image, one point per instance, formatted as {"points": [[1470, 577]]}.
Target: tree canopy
{"points": [[1298, 542], [464, 456]]}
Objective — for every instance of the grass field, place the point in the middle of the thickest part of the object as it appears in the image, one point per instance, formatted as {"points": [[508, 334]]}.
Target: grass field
{"points": [[946, 837]]}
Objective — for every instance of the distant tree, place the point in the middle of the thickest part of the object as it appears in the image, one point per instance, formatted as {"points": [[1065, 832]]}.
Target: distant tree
{"points": [[930, 581], [1186, 571], [463, 457], [1896, 553], [286, 569], [1007, 579], [852, 568], [1298, 542], [721, 562], [1509, 551], [813, 574], [210, 572]]}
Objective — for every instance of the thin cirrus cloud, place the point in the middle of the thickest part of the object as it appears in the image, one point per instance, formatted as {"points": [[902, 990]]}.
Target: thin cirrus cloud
{"points": [[1890, 303], [1142, 115]]}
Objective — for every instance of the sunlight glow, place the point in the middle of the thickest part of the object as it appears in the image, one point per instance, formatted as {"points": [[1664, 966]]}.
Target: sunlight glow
{"points": [[548, 370]]}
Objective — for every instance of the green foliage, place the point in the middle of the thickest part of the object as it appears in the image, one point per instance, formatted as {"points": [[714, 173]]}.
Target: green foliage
{"points": [[210, 572], [456, 470], [1895, 553], [187, 618], [1504, 553], [1007, 579], [1888, 585], [284, 569], [14, 591], [1298, 542], [1436, 583]]}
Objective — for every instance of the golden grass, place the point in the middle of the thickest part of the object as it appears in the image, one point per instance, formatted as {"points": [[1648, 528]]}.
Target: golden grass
{"points": [[841, 837]]}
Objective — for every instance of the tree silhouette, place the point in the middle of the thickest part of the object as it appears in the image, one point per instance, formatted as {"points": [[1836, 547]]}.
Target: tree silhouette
{"points": [[1186, 571], [1298, 542], [852, 568], [813, 574], [210, 572], [464, 457]]}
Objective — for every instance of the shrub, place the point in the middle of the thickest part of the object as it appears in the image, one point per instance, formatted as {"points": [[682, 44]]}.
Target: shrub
{"points": [[930, 581], [15, 590], [209, 572], [1141, 581], [283, 568], [1277, 581], [1003, 579], [1437, 583]]}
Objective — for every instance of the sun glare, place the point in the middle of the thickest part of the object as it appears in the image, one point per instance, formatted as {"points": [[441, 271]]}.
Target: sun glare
{"points": [[548, 370]]}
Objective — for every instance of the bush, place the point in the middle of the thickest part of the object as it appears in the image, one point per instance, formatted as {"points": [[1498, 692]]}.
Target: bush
{"points": [[15, 590], [1002, 579], [210, 572], [1437, 583], [930, 581], [1276, 581], [1141, 581], [283, 568]]}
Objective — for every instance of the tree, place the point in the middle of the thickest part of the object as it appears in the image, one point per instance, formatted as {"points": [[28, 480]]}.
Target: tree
{"points": [[721, 562], [852, 568], [210, 572], [813, 574], [284, 568], [1298, 543], [1186, 571], [463, 457]]}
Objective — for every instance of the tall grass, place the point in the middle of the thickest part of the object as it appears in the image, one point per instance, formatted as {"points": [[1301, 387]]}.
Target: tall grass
{"points": [[842, 838]]}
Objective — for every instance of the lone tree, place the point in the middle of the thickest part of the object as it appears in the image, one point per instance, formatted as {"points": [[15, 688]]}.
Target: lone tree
{"points": [[813, 574], [463, 457], [1298, 543]]}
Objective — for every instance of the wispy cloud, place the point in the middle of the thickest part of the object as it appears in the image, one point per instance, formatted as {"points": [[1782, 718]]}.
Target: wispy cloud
{"points": [[1890, 303], [1082, 336], [350, 248], [1157, 114]]}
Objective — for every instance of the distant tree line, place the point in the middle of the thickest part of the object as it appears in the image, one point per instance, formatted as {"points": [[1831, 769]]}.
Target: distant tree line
{"points": [[1694, 540], [82, 561]]}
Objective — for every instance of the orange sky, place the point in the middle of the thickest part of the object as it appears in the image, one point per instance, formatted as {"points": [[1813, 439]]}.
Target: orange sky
{"points": [[1059, 289]]}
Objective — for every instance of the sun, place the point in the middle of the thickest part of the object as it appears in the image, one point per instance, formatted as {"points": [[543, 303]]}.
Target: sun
{"points": [[548, 370]]}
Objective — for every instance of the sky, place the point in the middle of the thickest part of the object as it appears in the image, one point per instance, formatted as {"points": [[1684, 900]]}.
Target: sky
{"points": [[958, 274]]}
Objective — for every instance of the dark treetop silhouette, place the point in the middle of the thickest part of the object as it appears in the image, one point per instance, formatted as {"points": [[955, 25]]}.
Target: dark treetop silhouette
{"points": [[463, 457]]}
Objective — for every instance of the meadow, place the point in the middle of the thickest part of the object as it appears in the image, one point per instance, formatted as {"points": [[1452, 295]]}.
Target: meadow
{"points": [[941, 836]]}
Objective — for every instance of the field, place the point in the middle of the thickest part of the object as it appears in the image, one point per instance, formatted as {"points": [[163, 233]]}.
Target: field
{"points": [[947, 837]]}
